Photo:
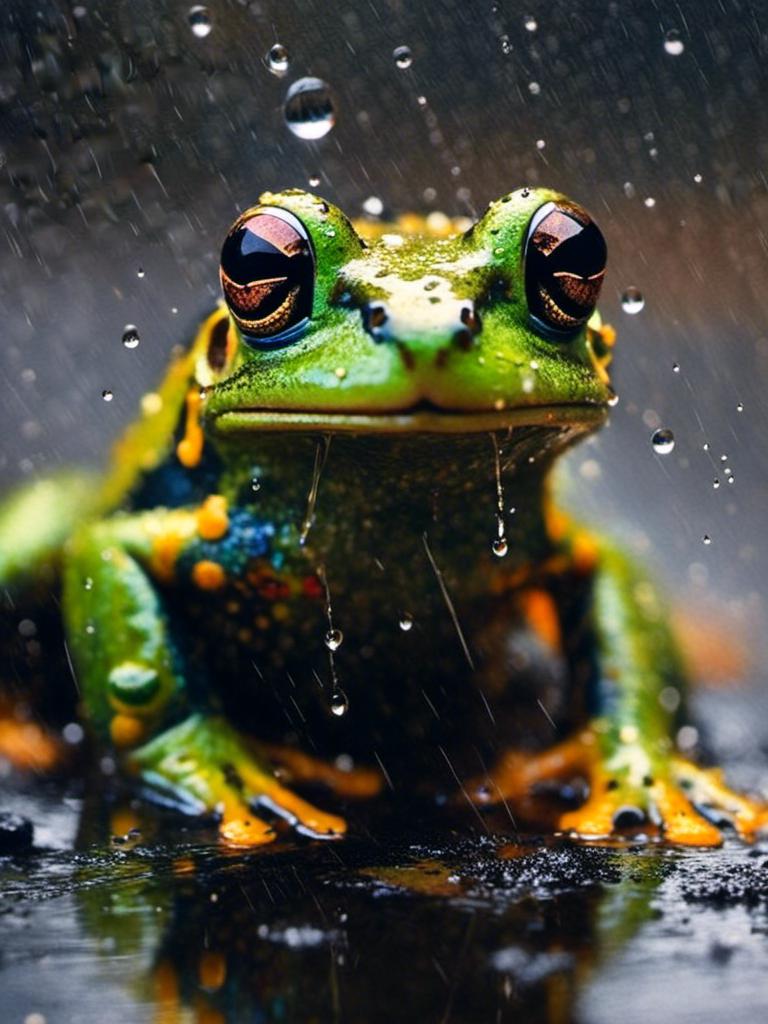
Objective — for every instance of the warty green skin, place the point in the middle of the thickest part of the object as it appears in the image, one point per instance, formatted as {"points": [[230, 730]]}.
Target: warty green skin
{"points": [[402, 429]]}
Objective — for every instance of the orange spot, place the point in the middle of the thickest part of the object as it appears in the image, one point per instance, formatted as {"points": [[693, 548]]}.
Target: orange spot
{"points": [[166, 984], [183, 866], [556, 521], [541, 615], [212, 518], [169, 532], [190, 449], [27, 746], [212, 970], [584, 552], [208, 575], [246, 831], [126, 730]]}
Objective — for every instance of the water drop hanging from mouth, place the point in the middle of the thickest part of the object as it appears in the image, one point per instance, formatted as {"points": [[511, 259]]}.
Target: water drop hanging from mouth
{"points": [[334, 638], [499, 546], [309, 109], [339, 703]]}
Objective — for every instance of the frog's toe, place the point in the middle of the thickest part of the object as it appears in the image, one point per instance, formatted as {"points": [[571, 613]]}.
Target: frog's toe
{"points": [[304, 817], [516, 774], [706, 788]]}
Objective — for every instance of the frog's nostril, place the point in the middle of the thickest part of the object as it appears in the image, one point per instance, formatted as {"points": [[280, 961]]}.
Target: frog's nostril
{"points": [[375, 316]]}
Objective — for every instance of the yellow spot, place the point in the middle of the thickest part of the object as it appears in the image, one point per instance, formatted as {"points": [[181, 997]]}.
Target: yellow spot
{"points": [[190, 449], [212, 518], [168, 532], [123, 820], [208, 575], [584, 552], [126, 730], [151, 403], [212, 970]]}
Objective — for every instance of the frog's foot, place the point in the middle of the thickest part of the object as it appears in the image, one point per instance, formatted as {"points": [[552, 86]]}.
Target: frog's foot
{"points": [[205, 766], [296, 766], [627, 790], [28, 746]]}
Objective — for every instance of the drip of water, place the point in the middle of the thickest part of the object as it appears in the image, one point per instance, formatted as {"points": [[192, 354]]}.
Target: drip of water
{"points": [[338, 700], [500, 546], [321, 457]]}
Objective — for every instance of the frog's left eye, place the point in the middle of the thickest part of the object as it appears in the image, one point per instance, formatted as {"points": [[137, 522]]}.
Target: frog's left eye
{"points": [[565, 257], [268, 276]]}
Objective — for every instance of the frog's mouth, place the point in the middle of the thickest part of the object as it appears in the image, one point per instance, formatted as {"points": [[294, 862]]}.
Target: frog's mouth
{"points": [[422, 418]]}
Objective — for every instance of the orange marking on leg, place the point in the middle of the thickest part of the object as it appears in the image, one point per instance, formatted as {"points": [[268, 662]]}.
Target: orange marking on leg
{"points": [[189, 450], [359, 782], [682, 823], [584, 552], [127, 730], [169, 531], [305, 813], [708, 787], [212, 518], [541, 614], [239, 827], [208, 575]]}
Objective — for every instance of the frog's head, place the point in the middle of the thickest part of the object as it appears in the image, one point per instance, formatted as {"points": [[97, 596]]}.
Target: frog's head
{"points": [[408, 331]]}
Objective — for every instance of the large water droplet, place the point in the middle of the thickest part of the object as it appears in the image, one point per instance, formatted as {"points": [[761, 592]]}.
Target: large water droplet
{"points": [[663, 441], [339, 703], [403, 56], [200, 22], [131, 336], [673, 44], [334, 638], [500, 547], [309, 110], [632, 300], [278, 60]]}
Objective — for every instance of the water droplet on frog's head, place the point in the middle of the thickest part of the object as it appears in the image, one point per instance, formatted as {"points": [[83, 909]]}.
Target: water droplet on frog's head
{"points": [[309, 110], [406, 622], [673, 44], [130, 336], [107, 396], [500, 547], [140, 272], [632, 300], [278, 60], [373, 206], [200, 22], [339, 703], [530, 24], [403, 56], [663, 441], [334, 638]]}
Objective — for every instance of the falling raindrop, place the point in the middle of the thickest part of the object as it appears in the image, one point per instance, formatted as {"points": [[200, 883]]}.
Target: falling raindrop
{"points": [[339, 703], [706, 539], [698, 179], [309, 110], [500, 547], [255, 484], [403, 57], [530, 24], [140, 273], [88, 584], [321, 454], [534, 88], [663, 441], [406, 622], [314, 181], [675, 367], [334, 638], [715, 483], [200, 22], [632, 300], [278, 60], [673, 44], [130, 336], [107, 395], [740, 407]]}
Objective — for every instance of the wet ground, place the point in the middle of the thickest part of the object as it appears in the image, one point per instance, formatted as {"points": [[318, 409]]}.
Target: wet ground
{"points": [[124, 913]]}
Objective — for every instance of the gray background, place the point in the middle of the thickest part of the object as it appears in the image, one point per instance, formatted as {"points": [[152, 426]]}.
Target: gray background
{"points": [[126, 142]]}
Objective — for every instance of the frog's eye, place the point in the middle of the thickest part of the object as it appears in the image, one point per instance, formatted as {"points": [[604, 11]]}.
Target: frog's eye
{"points": [[565, 258], [268, 276]]}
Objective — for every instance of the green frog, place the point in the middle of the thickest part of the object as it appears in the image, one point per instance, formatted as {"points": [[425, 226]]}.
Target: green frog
{"points": [[327, 553]]}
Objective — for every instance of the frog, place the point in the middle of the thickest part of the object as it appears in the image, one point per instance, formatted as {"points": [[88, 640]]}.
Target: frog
{"points": [[328, 552]]}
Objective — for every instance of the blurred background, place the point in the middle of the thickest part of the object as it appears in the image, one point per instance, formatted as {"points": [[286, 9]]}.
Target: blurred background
{"points": [[133, 131]]}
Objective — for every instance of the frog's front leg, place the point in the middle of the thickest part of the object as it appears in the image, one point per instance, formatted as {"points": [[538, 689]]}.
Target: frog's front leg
{"points": [[627, 751], [131, 675]]}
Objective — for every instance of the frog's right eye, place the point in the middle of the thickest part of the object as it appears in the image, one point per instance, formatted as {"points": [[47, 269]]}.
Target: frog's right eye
{"points": [[268, 276]]}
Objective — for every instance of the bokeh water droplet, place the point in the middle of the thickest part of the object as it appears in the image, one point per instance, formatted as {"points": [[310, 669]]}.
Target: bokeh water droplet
{"points": [[130, 336], [530, 24], [673, 44], [309, 110], [278, 60], [200, 21], [403, 56], [663, 441], [373, 206], [255, 484], [534, 88], [334, 638], [650, 202], [107, 395], [632, 300]]}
